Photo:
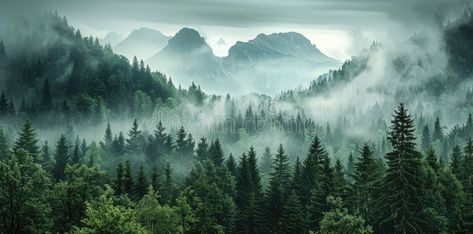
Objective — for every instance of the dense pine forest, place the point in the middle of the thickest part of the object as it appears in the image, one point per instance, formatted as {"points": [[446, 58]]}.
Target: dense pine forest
{"points": [[91, 142]]}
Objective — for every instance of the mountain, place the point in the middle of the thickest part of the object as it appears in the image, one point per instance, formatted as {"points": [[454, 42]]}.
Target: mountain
{"points": [[188, 58], [290, 45], [142, 43], [112, 38], [267, 64], [274, 62]]}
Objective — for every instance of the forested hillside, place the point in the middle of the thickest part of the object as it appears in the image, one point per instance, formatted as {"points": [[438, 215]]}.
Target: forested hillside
{"points": [[91, 142]]}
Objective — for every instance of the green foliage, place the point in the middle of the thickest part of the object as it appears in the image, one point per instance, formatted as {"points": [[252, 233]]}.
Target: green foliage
{"points": [[24, 187], [80, 185], [61, 157], [102, 216], [402, 200], [27, 141], [338, 221]]}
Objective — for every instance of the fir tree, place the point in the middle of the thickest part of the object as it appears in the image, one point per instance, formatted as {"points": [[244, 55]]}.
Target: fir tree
{"points": [[181, 141], [366, 184], [216, 153], [119, 183], [128, 182], [27, 141], [76, 157], [202, 149], [141, 185], [455, 160], [437, 134], [266, 162], [46, 162], [231, 165], [402, 201], [61, 157], [133, 143], [292, 216], [108, 138], [278, 190], [311, 170], [155, 178], [169, 186], [432, 159], [4, 146], [426, 139], [340, 183]]}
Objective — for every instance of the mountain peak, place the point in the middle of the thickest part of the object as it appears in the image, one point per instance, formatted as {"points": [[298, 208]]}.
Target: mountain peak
{"points": [[186, 39]]}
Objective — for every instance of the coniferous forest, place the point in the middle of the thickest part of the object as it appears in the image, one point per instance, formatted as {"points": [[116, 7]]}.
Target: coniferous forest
{"points": [[92, 141]]}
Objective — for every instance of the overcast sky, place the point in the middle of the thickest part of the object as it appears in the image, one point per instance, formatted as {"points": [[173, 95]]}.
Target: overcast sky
{"points": [[338, 28]]}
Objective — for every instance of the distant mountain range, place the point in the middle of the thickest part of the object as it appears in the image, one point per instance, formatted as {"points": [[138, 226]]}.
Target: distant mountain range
{"points": [[266, 64], [142, 43]]}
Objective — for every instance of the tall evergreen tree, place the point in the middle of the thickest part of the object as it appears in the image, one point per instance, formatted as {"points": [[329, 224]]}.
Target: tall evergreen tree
{"points": [[292, 217], [311, 169], [141, 185], [437, 134], [455, 160], [61, 157], [27, 140], [128, 182], [202, 149], [76, 156], [4, 146], [169, 186], [155, 178], [108, 138], [366, 184], [216, 152], [402, 201], [278, 191], [339, 181], [46, 161], [426, 139], [119, 182], [181, 142], [432, 159], [133, 143], [266, 162], [232, 165]]}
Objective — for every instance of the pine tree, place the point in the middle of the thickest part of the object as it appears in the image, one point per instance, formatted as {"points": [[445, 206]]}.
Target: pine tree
{"points": [[61, 157], [46, 103], [202, 149], [231, 165], [46, 162], [402, 202], [76, 157], [169, 187], [108, 138], [248, 192], [350, 167], [278, 190], [141, 185], [4, 146], [128, 182], [366, 184], [155, 179], [216, 153], [340, 183], [181, 141], [318, 195], [455, 160], [134, 139], [437, 134], [426, 139], [27, 141], [119, 183], [292, 216], [311, 170], [432, 159], [266, 162]]}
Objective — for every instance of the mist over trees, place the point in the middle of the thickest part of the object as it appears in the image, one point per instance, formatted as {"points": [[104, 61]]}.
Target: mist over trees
{"points": [[93, 143]]}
